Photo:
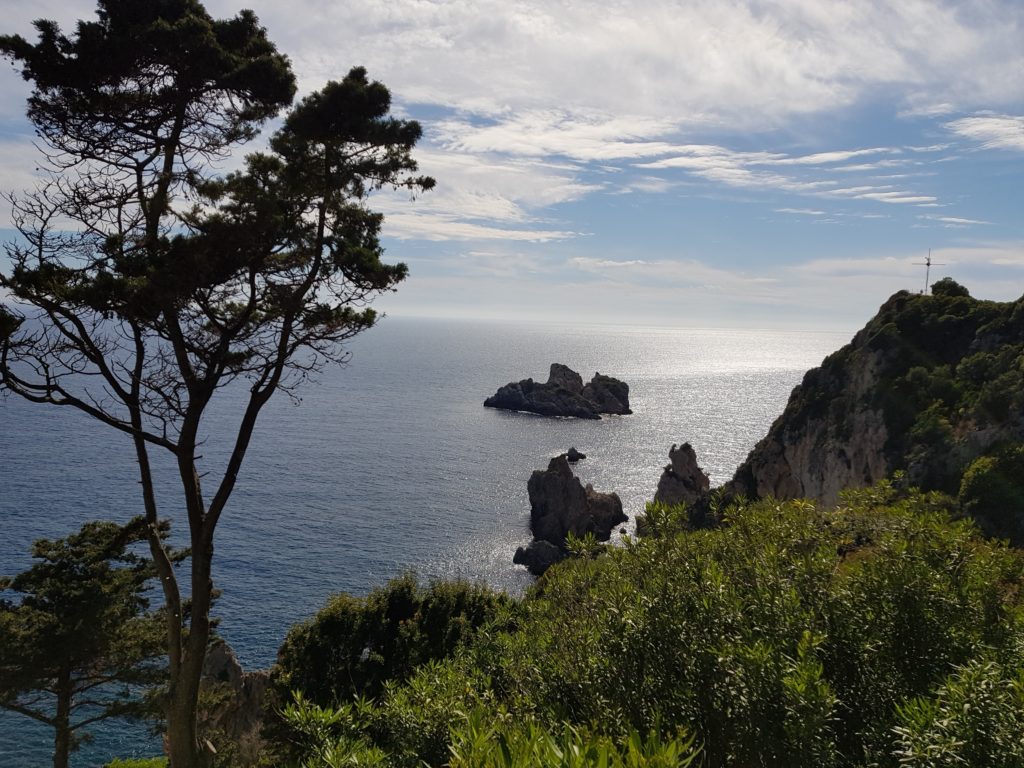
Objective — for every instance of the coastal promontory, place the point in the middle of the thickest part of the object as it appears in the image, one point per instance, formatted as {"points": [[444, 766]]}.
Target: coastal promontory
{"points": [[564, 394]]}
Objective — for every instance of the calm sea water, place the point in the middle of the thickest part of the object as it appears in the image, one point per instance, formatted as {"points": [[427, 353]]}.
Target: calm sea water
{"points": [[391, 463]]}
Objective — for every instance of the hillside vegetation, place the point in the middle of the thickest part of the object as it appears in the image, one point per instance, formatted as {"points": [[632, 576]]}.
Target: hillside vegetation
{"points": [[876, 633]]}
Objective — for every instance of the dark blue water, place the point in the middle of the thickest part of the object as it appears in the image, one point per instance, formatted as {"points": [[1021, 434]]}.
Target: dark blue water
{"points": [[392, 463]]}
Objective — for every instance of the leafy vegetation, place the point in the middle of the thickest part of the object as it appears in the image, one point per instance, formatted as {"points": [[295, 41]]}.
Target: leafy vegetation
{"points": [[788, 636], [77, 643], [943, 374]]}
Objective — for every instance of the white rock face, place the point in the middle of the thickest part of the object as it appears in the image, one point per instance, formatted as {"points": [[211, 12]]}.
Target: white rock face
{"points": [[817, 456]]}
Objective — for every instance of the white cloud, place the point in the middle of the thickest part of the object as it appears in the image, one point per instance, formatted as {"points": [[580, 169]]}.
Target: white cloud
{"points": [[953, 221], [439, 227], [992, 131], [745, 63], [822, 158], [541, 133]]}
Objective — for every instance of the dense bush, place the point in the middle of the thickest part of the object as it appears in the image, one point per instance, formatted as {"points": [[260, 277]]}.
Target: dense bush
{"points": [[992, 492], [353, 646], [975, 718]]}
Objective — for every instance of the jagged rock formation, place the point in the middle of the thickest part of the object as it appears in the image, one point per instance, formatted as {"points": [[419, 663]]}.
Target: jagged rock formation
{"points": [[238, 701], [560, 505], [927, 386], [682, 481], [609, 395], [564, 394]]}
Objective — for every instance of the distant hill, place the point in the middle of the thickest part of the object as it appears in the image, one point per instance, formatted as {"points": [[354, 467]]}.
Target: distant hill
{"points": [[933, 387]]}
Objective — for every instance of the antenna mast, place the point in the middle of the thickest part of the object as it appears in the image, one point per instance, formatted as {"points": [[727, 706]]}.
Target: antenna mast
{"points": [[927, 264]]}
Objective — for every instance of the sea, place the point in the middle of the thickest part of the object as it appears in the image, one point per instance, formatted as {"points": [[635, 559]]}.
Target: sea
{"points": [[390, 463]]}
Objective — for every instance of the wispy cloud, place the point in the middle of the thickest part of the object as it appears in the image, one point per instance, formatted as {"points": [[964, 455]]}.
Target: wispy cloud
{"points": [[746, 63], [439, 227], [952, 221], [992, 131]]}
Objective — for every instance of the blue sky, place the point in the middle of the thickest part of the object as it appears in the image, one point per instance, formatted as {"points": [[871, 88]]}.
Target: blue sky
{"points": [[714, 163]]}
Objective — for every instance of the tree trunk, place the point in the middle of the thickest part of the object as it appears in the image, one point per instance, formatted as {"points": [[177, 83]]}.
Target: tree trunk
{"points": [[184, 747], [62, 723]]}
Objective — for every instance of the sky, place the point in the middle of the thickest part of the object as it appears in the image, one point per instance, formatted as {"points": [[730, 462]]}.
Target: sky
{"points": [[697, 163]]}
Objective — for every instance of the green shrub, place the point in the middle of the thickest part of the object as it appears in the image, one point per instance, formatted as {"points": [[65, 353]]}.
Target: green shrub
{"points": [[788, 636], [976, 718], [144, 762], [354, 646], [992, 491], [947, 286], [483, 741]]}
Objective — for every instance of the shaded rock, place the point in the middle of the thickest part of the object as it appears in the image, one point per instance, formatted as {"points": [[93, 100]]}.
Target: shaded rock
{"points": [[238, 701], [560, 505], [565, 377], [538, 556], [564, 395], [683, 481], [609, 395], [572, 455]]}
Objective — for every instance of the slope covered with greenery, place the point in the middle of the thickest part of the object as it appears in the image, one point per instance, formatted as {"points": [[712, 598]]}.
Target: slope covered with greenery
{"points": [[879, 633]]}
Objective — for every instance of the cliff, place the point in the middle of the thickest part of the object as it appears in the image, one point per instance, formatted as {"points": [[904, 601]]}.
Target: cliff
{"points": [[931, 384]]}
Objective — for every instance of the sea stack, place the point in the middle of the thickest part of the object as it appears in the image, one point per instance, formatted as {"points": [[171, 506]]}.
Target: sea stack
{"points": [[564, 395], [560, 505]]}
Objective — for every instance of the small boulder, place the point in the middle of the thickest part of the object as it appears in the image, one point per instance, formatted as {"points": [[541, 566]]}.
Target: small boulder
{"points": [[572, 455]]}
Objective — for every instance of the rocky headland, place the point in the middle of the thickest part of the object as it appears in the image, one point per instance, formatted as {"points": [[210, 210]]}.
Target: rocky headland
{"points": [[927, 387], [564, 394], [560, 505]]}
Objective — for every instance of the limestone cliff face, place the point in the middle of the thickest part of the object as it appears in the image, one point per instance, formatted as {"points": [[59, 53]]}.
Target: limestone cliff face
{"points": [[929, 384], [814, 455]]}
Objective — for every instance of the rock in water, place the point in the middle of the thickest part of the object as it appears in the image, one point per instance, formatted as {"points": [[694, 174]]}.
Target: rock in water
{"points": [[538, 556], [572, 455], [565, 377], [683, 481], [564, 395], [560, 505]]}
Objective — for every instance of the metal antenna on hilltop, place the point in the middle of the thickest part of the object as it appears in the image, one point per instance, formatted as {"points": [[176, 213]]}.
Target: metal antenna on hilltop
{"points": [[927, 264]]}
